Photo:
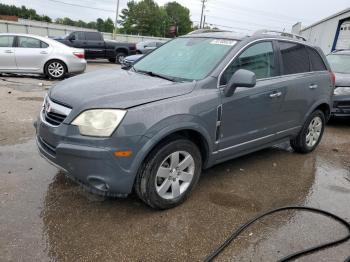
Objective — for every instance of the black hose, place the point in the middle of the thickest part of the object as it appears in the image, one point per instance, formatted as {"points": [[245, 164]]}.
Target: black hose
{"points": [[235, 234]]}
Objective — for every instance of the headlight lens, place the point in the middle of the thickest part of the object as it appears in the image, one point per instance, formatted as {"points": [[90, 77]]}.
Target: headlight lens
{"points": [[99, 122], [342, 91]]}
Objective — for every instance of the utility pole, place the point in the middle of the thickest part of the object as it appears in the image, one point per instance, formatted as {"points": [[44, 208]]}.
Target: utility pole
{"points": [[203, 6], [116, 19]]}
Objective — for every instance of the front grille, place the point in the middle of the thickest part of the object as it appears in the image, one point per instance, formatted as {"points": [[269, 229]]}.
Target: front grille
{"points": [[342, 104], [53, 113]]}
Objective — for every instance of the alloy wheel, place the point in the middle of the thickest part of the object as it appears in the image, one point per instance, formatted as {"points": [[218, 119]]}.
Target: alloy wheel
{"points": [[314, 131], [174, 175], [55, 69]]}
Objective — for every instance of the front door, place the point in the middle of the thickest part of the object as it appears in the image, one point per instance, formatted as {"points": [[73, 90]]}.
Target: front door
{"points": [[251, 116], [7, 53]]}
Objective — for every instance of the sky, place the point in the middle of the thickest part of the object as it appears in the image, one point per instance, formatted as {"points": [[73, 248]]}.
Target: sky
{"points": [[241, 16]]}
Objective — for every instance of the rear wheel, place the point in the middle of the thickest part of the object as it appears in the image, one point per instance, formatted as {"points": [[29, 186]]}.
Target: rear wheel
{"points": [[311, 133], [169, 174], [55, 69], [120, 57]]}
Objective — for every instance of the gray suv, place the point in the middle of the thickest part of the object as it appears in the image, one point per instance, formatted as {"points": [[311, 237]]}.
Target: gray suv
{"points": [[197, 101]]}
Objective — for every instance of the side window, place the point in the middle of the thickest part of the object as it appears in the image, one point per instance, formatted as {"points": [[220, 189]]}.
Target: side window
{"points": [[317, 63], [6, 41], [158, 44], [79, 35], [151, 44], [44, 45], [29, 42], [295, 58], [258, 58], [92, 36]]}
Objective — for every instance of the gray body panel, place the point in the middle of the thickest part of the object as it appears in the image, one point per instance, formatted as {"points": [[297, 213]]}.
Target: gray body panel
{"points": [[251, 118]]}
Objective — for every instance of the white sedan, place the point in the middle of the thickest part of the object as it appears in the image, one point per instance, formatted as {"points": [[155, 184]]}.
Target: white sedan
{"points": [[23, 53]]}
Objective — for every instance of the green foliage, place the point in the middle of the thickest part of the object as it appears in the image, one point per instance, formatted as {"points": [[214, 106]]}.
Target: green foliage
{"points": [[23, 12], [147, 18]]}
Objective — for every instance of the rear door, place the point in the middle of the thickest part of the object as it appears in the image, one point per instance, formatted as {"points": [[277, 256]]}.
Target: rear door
{"points": [[251, 116], [7, 53], [303, 83], [31, 53], [95, 45]]}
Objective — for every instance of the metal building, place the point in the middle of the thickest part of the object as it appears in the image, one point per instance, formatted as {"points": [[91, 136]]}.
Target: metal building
{"points": [[331, 33]]}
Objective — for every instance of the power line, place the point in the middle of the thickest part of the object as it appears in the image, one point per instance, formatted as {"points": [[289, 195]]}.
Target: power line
{"points": [[83, 6]]}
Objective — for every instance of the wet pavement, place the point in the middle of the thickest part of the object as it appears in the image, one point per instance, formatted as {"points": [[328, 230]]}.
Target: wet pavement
{"points": [[46, 217]]}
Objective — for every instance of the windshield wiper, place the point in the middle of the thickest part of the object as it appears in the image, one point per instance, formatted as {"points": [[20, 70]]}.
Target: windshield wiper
{"points": [[150, 73]]}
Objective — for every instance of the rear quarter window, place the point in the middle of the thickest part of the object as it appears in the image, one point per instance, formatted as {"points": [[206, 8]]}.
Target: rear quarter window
{"points": [[295, 58], [92, 36], [317, 63]]}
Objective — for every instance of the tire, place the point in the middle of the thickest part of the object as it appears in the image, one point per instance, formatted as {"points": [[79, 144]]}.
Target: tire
{"points": [[311, 134], [120, 57], [162, 189], [112, 60], [55, 69]]}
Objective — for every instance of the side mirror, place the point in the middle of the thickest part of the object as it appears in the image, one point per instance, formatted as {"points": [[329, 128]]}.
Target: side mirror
{"points": [[241, 78]]}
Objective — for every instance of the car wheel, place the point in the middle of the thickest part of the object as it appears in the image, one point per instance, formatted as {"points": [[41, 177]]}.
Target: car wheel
{"points": [[169, 174], [120, 57], [55, 69], [311, 134]]}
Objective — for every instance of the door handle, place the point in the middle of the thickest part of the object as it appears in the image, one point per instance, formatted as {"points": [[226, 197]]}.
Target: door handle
{"points": [[313, 86], [276, 94], [8, 51], [43, 52]]}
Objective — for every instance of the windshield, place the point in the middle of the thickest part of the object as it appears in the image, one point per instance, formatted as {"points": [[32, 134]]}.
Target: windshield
{"points": [[186, 58], [339, 63]]}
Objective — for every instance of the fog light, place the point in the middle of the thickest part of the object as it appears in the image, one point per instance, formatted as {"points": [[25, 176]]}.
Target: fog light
{"points": [[98, 184]]}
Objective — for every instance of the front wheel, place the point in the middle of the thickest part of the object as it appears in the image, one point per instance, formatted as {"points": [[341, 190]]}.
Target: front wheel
{"points": [[55, 69], [311, 133], [169, 174]]}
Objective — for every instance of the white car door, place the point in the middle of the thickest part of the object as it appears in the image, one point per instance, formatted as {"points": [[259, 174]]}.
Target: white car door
{"points": [[7, 53], [31, 54]]}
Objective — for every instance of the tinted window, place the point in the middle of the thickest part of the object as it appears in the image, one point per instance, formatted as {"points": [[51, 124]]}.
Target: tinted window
{"points": [[150, 44], [93, 36], [79, 35], [317, 63], [295, 58], [29, 42], [258, 58], [6, 41]]}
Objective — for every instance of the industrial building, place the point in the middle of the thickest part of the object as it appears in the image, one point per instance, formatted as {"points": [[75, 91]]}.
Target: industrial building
{"points": [[331, 33]]}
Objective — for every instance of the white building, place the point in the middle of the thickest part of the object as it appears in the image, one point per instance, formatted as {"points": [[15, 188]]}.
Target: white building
{"points": [[331, 33]]}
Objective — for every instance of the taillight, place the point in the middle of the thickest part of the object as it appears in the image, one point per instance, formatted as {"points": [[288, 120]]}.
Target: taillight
{"points": [[332, 75], [79, 55]]}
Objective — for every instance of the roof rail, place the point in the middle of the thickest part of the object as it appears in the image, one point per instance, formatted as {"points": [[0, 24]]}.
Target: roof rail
{"points": [[273, 32]]}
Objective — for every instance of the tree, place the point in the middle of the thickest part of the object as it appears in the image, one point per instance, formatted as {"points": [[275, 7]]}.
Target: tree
{"points": [[179, 16]]}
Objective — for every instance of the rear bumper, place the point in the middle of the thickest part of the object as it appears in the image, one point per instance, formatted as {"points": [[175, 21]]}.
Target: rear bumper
{"points": [[341, 106], [77, 66]]}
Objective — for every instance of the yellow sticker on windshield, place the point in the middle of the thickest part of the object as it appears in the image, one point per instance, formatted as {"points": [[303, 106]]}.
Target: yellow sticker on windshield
{"points": [[223, 42]]}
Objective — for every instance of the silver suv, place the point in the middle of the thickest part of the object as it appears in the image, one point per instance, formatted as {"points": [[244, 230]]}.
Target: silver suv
{"points": [[195, 102]]}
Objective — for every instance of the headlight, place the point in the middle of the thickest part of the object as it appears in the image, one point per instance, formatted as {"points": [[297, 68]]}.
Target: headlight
{"points": [[99, 122], [342, 91]]}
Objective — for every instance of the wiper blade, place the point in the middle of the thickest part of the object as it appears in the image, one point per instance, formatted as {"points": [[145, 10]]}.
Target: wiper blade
{"points": [[150, 73]]}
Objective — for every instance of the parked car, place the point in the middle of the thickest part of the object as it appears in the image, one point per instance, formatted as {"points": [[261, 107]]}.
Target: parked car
{"points": [[340, 64], [96, 47], [195, 102], [24, 53], [148, 46], [130, 60]]}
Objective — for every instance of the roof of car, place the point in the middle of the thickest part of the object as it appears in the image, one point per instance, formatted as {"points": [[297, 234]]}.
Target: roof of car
{"points": [[221, 35]]}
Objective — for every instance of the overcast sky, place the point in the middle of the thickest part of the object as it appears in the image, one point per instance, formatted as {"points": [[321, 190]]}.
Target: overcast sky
{"points": [[246, 16]]}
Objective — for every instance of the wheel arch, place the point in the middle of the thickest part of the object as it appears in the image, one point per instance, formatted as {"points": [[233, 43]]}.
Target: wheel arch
{"points": [[121, 50], [55, 59], [324, 106]]}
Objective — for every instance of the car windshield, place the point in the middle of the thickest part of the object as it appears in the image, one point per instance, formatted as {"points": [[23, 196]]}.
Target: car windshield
{"points": [[339, 63], [186, 58]]}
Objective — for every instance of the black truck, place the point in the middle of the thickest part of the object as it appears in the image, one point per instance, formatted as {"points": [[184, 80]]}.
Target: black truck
{"points": [[96, 47]]}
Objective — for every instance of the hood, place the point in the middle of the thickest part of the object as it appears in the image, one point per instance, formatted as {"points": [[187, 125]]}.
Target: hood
{"points": [[115, 89], [342, 80]]}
